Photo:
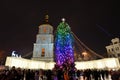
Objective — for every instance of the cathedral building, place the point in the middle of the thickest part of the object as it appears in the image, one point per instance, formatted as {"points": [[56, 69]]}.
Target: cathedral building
{"points": [[43, 48]]}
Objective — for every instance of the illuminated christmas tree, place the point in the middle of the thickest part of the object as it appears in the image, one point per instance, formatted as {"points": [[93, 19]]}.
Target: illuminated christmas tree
{"points": [[64, 53]]}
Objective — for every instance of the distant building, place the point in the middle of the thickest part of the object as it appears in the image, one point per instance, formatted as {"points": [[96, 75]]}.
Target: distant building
{"points": [[113, 49], [43, 48]]}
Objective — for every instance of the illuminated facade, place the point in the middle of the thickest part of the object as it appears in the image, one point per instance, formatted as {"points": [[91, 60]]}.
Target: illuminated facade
{"points": [[113, 49], [106, 63], [43, 48]]}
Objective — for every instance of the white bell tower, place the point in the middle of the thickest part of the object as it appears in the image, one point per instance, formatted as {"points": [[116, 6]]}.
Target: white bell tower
{"points": [[43, 48]]}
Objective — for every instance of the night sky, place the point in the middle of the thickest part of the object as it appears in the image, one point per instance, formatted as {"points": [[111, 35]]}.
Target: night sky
{"points": [[94, 22]]}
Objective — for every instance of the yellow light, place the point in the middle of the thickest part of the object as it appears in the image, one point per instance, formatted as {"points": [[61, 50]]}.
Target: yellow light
{"points": [[84, 53]]}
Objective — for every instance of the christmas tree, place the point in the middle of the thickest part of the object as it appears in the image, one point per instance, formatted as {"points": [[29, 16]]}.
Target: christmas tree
{"points": [[64, 53]]}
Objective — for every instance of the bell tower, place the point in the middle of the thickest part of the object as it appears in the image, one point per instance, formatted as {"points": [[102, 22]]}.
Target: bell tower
{"points": [[43, 48]]}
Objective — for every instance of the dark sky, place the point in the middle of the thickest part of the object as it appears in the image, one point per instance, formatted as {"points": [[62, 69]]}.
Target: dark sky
{"points": [[95, 22]]}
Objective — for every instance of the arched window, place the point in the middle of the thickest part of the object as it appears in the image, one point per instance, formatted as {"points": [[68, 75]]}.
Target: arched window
{"points": [[43, 52]]}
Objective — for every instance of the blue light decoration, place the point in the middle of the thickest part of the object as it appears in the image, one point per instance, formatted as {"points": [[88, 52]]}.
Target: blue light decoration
{"points": [[63, 49]]}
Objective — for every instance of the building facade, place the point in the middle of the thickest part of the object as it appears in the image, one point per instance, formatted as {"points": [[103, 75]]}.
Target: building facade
{"points": [[113, 49]]}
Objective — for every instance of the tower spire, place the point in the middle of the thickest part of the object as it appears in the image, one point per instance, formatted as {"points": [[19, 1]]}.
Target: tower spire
{"points": [[46, 18]]}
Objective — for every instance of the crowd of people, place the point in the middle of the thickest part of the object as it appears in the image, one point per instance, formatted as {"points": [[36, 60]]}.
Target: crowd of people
{"points": [[58, 74]]}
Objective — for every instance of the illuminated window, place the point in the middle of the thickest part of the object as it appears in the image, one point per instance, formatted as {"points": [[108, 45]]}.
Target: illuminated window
{"points": [[44, 29], [43, 52], [43, 38]]}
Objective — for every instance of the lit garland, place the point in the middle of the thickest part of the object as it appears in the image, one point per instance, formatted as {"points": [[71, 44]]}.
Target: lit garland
{"points": [[64, 45]]}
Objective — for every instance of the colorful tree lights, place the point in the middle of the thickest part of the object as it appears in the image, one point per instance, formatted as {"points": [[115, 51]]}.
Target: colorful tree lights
{"points": [[64, 52]]}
